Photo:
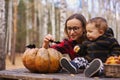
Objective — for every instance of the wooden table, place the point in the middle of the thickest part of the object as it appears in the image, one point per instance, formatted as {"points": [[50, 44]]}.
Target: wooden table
{"points": [[24, 74]]}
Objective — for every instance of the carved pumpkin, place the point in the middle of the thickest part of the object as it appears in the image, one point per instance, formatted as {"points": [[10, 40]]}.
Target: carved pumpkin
{"points": [[42, 60]]}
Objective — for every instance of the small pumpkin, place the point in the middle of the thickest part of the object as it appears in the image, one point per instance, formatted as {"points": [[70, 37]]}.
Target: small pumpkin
{"points": [[42, 60], [113, 60]]}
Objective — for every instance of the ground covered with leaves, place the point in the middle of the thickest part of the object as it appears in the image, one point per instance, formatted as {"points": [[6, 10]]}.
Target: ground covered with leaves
{"points": [[18, 62]]}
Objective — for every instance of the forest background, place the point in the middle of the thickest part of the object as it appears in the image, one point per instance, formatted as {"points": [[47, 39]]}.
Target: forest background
{"points": [[28, 21]]}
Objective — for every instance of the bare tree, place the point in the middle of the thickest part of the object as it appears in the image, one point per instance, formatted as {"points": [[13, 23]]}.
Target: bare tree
{"points": [[40, 9], [14, 32], [45, 19], [2, 34], [52, 17], [28, 21], [9, 26], [63, 9]]}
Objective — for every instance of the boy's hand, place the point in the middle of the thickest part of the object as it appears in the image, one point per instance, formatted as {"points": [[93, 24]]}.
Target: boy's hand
{"points": [[76, 49]]}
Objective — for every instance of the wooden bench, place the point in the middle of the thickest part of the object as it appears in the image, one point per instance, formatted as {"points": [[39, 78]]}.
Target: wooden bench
{"points": [[24, 74]]}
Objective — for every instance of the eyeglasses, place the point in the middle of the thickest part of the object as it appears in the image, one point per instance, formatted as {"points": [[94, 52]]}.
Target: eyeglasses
{"points": [[73, 28]]}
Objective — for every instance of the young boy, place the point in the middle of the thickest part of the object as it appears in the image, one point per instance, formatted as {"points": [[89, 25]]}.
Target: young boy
{"points": [[94, 51]]}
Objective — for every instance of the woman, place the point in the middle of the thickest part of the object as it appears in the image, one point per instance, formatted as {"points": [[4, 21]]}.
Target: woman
{"points": [[75, 32]]}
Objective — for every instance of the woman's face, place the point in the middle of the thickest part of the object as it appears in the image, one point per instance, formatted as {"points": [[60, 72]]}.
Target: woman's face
{"points": [[74, 29]]}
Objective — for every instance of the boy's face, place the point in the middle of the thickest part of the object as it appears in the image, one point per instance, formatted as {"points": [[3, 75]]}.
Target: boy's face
{"points": [[92, 32]]}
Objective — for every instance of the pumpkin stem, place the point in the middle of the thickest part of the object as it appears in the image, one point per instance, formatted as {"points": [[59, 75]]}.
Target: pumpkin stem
{"points": [[31, 46]]}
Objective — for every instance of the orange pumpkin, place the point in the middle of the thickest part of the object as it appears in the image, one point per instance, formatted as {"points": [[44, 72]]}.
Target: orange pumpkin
{"points": [[113, 60], [42, 60], [28, 59]]}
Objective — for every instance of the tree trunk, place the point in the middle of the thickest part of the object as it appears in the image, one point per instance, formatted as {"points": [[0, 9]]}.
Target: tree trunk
{"points": [[62, 18], [40, 21], [52, 17], [9, 25], [14, 32], [45, 25], [3, 34], [28, 25]]}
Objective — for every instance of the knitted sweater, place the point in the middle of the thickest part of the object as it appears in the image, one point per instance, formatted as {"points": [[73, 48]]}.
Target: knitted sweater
{"points": [[101, 48]]}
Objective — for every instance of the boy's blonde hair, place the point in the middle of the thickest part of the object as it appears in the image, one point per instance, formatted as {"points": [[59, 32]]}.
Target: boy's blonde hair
{"points": [[99, 23]]}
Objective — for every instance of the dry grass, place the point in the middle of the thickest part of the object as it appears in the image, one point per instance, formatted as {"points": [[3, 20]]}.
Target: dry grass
{"points": [[18, 62]]}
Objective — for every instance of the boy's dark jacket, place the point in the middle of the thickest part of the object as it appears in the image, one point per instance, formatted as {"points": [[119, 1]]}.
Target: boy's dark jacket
{"points": [[102, 48]]}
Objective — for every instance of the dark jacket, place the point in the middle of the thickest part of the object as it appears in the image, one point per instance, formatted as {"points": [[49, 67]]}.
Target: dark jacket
{"points": [[102, 48]]}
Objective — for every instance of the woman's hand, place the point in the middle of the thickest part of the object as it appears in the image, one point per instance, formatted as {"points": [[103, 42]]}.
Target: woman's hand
{"points": [[46, 41]]}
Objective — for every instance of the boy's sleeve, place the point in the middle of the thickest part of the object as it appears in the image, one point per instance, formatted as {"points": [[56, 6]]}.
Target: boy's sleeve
{"points": [[115, 47], [82, 50]]}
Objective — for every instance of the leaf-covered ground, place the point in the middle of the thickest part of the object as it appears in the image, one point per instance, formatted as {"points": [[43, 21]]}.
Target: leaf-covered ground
{"points": [[18, 62]]}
